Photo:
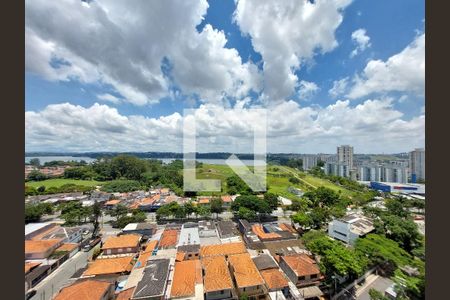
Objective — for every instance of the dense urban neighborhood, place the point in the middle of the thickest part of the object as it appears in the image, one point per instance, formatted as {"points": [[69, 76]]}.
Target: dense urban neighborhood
{"points": [[328, 227]]}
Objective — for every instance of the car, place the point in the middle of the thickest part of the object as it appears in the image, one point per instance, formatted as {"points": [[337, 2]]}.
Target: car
{"points": [[87, 248], [30, 294], [86, 231]]}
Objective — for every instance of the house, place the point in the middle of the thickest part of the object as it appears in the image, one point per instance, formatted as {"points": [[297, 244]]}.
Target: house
{"points": [[145, 255], [169, 239], [228, 231], [264, 236], [217, 282], [149, 203], [223, 249], [109, 267], [71, 248], [189, 251], [301, 269], [227, 200], [155, 272], [247, 277], [187, 280], [125, 294], [349, 228], [144, 229], [189, 235], [111, 204], [127, 243], [203, 200], [41, 249], [288, 228], [275, 280], [34, 229], [87, 290]]}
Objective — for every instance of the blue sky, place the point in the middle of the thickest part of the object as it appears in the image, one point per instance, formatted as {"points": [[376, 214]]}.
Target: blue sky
{"points": [[194, 79]]}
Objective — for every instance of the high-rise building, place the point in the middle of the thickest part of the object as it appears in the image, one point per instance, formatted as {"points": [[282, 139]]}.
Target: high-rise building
{"points": [[417, 164], [309, 161], [345, 155], [383, 172]]}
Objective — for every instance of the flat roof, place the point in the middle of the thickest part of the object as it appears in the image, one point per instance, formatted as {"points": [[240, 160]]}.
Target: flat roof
{"points": [[264, 262], [189, 236], [227, 229], [153, 282], [32, 227]]}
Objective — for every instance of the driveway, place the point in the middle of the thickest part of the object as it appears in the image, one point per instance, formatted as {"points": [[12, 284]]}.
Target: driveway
{"points": [[380, 284]]}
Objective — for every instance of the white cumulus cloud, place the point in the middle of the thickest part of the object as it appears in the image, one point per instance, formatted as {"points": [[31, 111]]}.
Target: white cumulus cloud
{"points": [[286, 34], [362, 41], [402, 72]]}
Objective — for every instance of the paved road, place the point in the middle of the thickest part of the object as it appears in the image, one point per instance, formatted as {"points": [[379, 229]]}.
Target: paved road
{"points": [[380, 284], [52, 283]]}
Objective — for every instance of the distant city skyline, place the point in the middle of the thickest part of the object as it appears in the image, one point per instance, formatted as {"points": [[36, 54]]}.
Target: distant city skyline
{"points": [[117, 77]]}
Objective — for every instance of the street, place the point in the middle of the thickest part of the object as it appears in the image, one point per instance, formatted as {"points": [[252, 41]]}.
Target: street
{"points": [[52, 283], [378, 283]]}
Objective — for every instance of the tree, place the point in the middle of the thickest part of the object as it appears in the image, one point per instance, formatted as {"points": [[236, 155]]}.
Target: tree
{"points": [[247, 214], [41, 189], [376, 295], [216, 206], [119, 211], [403, 231], [235, 185], [272, 200], [35, 175], [395, 207], [127, 166], [96, 213], [319, 216], [302, 219], [35, 162], [294, 180], [381, 250], [204, 211], [189, 208]]}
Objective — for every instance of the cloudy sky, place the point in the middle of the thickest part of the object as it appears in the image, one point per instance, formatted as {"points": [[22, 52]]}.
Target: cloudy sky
{"points": [[106, 75]]}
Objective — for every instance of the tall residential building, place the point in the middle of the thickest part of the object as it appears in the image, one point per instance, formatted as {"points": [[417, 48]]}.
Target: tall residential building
{"points": [[417, 164], [384, 172], [309, 161], [345, 155]]}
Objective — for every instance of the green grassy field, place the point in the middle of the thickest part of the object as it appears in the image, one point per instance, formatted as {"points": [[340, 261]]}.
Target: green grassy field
{"points": [[57, 182]]}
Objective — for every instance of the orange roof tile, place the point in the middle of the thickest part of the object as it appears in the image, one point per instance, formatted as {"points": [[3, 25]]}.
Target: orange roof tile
{"points": [[150, 246], [86, 290], [113, 202], [223, 249], [180, 256], [301, 264], [67, 247], [30, 265], [187, 274], [217, 276], [164, 190], [143, 257], [258, 230], [122, 241], [287, 227], [40, 245], [274, 279], [125, 294], [110, 266], [169, 238], [226, 198], [203, 201], [245, 271]]}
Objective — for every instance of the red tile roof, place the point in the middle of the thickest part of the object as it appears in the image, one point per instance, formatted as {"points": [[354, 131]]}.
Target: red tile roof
{"points": [[105, 266], [217, 276], [301, 264], [259, 231], [223, 249], [187, 274], [122, 241], [86, 290], [245, 271]]}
